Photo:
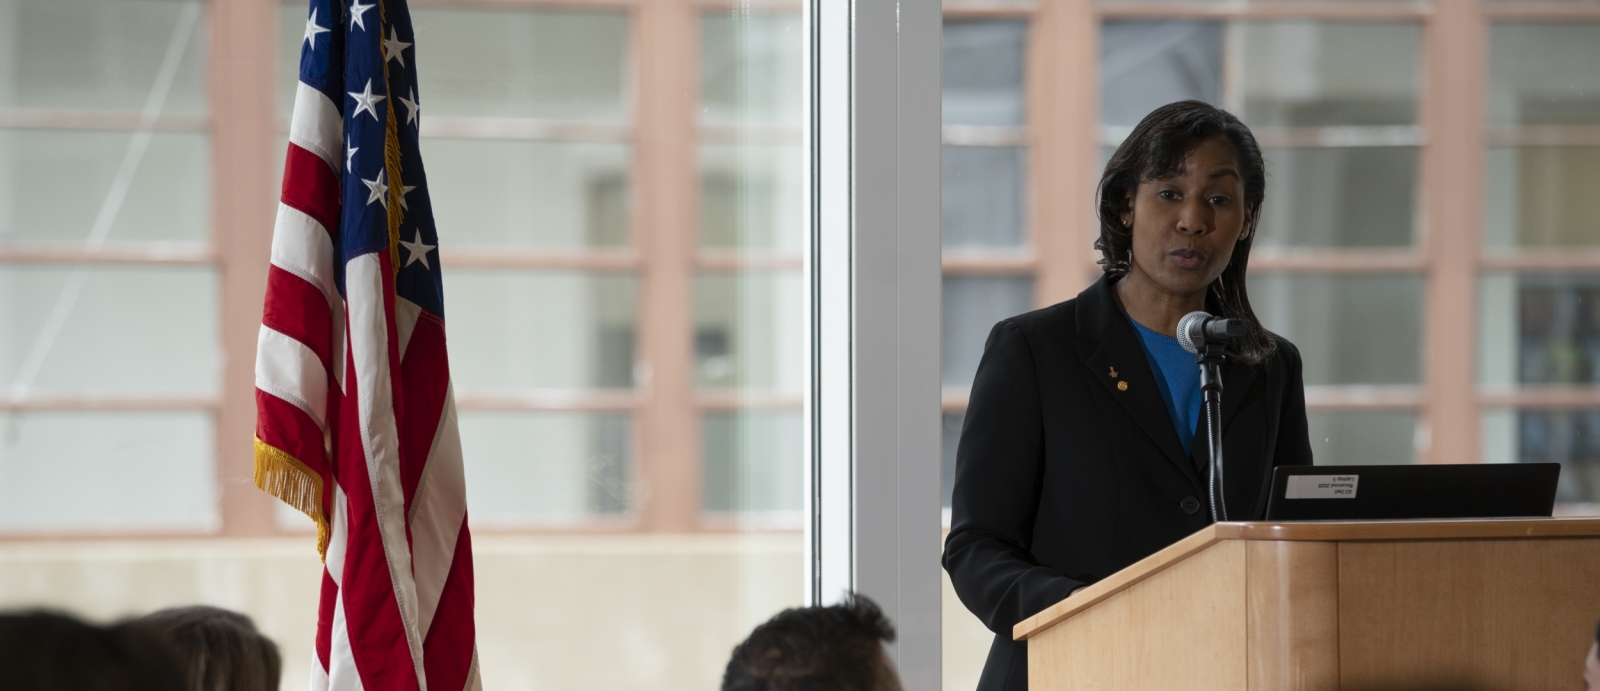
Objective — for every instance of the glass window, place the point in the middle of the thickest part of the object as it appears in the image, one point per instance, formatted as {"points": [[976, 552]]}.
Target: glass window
{"points": [[1319, 74], [752, 197], [750, 68], [1338, 198], [749, 331], [1568, 437], [549, 64], [1333, 104], [753, 465], [949, 441], [1542, 197], [490, 194], [88, 189], [983, 72], [1539, 329], [103, 55], [546, 467], [128, 471], [1147, 64], [105, 330], [1362, 437], [1349, 329], [971, 307], [517, 331], [983, 204], [1543, 74]]}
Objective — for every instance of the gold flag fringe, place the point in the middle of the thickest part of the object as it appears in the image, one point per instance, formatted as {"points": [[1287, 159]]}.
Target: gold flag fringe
{"points": [[285, 477], [391, 153]]}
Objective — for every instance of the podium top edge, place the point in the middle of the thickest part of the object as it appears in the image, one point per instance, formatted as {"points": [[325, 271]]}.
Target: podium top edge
{"points": [[1453, 529], [1305, 531]]}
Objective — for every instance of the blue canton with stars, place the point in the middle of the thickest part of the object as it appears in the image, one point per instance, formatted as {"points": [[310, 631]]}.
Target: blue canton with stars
{"points": [[342, 55]]}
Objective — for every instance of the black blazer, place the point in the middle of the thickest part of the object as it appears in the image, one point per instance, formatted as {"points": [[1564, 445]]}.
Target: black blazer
{"points": [[1063, 476]]}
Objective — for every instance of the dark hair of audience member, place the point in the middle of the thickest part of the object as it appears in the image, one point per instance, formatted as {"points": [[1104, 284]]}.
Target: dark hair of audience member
{"points": [[46, 650], [219, 649], [836, 648]]}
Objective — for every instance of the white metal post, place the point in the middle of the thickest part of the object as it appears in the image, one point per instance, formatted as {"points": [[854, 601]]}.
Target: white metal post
{"points": [[874, 137]]}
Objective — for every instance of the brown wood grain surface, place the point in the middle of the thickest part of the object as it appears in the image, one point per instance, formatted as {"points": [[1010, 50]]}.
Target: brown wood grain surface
{"points": [[1179, 629], [1292, 615], [1467, 615]]}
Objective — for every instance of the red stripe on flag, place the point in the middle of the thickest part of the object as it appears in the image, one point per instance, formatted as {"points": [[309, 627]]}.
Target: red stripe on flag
{"points": [[448, 647], [310, 186], [298, 309], [377, 630], [425, 378], [324, 642], [288, 428], [377, 634]]}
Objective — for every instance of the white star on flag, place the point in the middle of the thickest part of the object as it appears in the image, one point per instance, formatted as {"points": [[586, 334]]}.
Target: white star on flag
{"points": [[394, 48], [312, 29], [405, 190], [412, 107], [349, 153], [356, 11], [419, 251], [365, 101], [380, 191]]}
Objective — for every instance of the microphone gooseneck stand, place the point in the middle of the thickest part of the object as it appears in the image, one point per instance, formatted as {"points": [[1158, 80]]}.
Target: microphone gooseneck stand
{"points": [[1210, 360]]}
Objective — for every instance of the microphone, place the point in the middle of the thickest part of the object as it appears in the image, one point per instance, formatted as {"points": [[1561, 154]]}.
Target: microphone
{"points": [[1206, 336], [1197, 329]]}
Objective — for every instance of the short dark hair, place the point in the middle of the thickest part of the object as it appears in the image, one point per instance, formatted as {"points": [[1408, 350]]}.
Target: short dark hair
{"points": [[41, 649], [1157, 148], [835, 648], [219, 649]]}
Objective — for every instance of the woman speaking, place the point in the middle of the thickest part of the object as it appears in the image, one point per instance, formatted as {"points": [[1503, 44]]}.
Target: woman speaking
{"points": [[1078, 456]]}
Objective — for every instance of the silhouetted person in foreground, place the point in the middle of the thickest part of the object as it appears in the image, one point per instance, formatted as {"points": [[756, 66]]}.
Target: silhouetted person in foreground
{"points": [[1591, 664], [51, 651], [219, 649], [837, 648]]}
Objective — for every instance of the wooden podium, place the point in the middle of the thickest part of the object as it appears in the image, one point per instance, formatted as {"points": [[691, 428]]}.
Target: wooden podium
{"points": [[1499, 605]]}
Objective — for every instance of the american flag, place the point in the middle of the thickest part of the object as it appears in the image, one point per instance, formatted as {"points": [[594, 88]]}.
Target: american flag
{"points": [[367, 445]]}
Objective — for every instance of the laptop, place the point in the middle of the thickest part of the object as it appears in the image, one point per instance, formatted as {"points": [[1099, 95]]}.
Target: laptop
{"points": [[1387, 492]]}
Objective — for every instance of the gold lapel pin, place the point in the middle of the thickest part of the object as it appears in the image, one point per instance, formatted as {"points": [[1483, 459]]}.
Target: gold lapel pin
{"points": [[1113, 373], [1122, 386]]}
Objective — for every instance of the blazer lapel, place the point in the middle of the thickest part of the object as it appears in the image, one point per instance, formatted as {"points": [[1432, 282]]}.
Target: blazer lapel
{"points": [[1118, 362], [1236, 380]]}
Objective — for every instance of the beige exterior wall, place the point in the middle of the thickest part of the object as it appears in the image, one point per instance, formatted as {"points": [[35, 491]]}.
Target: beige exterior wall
{"points": [[567, 612]]}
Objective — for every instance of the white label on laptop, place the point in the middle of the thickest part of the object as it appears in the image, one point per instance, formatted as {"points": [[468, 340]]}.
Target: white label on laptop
{"points": [[1322, 487]]}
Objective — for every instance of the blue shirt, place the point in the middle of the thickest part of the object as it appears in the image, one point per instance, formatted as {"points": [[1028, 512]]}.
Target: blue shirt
{"points": [[1178, 377]]}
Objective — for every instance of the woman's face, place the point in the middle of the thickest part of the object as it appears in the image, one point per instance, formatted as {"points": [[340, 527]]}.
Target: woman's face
{"points": [[1185, 226]]}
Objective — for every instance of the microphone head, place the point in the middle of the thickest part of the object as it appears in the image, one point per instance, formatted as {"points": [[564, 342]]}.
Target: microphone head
{"points": [[1191, 331]]}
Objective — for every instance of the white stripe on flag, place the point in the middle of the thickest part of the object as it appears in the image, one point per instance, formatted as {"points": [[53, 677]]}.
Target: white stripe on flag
{"points": [[338, 536], [437, 512], [286, 368], [319, 676], [369, 348], [342, 674], [301, 246], [316, 126]]}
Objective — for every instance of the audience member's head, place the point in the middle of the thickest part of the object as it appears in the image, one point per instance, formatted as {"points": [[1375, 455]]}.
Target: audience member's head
{"points": [[838, 648], [1591, 664], [219, 649], [49, 650]]}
